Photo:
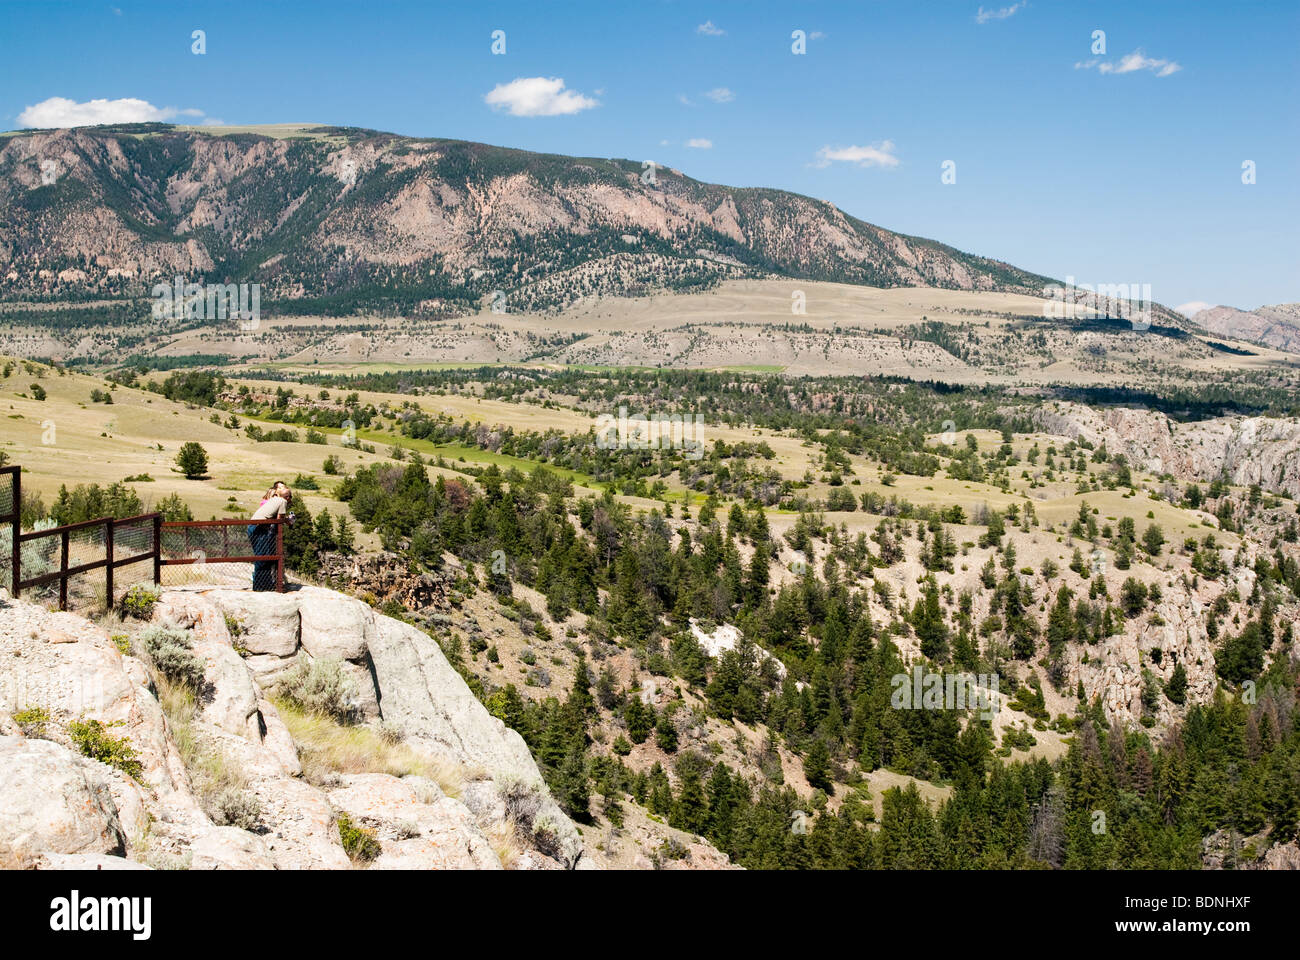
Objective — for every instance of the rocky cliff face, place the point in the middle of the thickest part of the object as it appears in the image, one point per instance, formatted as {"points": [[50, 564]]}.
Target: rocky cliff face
{"points": [[59, 808], [350, 215], [1245, 450], [1113, 669]]}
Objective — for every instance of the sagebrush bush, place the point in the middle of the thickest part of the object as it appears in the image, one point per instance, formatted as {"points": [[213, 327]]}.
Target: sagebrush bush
{"points": [[171, 655], [233, 807], [523, 801], [321, 687]]}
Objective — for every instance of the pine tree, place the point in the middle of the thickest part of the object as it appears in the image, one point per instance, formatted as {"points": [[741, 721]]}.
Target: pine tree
{"points": [[817, 765], [1176, 688], [666, 733], [572, 788]]}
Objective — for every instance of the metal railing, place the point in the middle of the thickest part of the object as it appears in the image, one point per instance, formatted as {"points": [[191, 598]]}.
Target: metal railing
{"points": [[61, 558]]}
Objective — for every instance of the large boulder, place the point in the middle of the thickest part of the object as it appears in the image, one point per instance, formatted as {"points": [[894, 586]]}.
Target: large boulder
{"points": [[430, 832], [229, 848], [70, 668], [401, 676], [54, 801]]}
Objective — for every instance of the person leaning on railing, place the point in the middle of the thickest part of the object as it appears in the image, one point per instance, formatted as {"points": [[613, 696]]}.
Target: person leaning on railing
{"points": [[261, 536]]}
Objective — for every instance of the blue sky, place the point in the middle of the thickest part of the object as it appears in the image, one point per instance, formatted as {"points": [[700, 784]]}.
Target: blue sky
{"points": [[1122, 166]]}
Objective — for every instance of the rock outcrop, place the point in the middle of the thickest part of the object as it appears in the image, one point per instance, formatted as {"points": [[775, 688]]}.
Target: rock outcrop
{"points": [[1245, 450], [1113, 669], [386, 577], [60, 808]]}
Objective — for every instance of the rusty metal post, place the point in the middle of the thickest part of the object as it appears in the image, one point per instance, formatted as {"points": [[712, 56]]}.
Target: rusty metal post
{"points": [[17, 529], [63, 569], [157, 549], [109, 527]]}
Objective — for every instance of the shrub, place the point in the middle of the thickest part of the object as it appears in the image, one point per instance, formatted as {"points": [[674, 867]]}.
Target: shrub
{"points": [[320, 687], [93, 740], [138, 602], [38, 556], [236, 808], [358, 842], [174, 509], [32, 721], [522, 800], [173, 657]]}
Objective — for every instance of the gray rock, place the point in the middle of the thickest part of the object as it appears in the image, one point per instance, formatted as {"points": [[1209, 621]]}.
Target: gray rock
{"points": [[54, 801], [403, 676], [270, 621], [86, 861], [229, 848]]}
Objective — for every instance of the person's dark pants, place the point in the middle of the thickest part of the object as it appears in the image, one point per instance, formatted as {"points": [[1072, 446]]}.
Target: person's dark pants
{"points": [[261, 537]]}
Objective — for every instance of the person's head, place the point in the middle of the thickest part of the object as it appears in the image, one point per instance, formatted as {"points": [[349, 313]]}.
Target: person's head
{"points": [[280, 489]]}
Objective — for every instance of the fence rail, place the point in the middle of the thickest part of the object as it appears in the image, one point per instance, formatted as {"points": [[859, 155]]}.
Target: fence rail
{"points": [[41, 559]]}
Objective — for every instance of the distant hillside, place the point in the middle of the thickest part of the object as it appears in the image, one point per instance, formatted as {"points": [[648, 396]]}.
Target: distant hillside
{"points": [[1277, 326], [337, 220]]}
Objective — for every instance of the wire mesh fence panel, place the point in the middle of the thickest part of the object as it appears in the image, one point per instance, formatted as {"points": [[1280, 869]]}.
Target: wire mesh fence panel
{"points": [[216, 574], [41, 556], [83, 591], [6, 557], [199, 554], [132, 554], [8, 502], [9, 508], [87, 591]]}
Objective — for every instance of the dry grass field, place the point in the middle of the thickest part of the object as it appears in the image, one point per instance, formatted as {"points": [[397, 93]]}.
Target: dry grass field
{"points": [[747, 325], [68, 439]]}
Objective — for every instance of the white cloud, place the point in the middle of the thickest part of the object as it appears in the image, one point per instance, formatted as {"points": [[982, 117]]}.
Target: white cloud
{"points": [[699, 143], [984, 16], [877, 155], [720, 95], [62, 112], [1191, 309], [1131, 63], [684, 100], [537, 97], [709, 30]]}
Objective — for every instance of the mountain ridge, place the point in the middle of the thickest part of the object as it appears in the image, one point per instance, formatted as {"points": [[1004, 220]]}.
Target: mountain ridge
{"points": [[339, 219], [1276, 325]]}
